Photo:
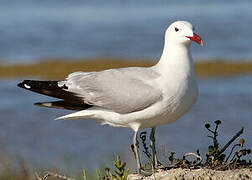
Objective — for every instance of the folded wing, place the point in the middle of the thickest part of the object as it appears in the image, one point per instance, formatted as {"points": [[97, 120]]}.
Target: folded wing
{"points": [[119, 90]]}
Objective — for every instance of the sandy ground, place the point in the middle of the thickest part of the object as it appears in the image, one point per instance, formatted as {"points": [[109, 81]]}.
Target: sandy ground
{"points": [[199, 174]]}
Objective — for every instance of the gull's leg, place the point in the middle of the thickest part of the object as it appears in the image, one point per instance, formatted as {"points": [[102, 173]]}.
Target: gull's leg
{"points": [[152, 144], [135, 143]]}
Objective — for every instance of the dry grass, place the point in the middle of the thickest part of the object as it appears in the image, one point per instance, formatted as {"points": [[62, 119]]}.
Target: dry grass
{"points": [[222, 68], [58, 69]]}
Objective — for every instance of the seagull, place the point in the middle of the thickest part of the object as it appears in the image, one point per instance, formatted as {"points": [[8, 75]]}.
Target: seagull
{"points": [[132, 97]]}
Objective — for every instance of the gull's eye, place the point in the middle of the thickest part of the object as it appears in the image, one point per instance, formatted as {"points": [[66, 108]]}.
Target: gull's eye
{"points": [[176, 29]]}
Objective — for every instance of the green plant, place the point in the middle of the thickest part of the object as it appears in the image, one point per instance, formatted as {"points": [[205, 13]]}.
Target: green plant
{"points": [[213, 154], [98, 174], [216, 159], [84, 174], [121, 173]]}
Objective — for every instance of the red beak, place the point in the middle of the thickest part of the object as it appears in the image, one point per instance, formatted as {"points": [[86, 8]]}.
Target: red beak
{"points": [[196, 38]]}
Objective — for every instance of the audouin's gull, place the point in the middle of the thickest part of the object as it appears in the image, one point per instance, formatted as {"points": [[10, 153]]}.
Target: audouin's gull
{"points": [[133, 97]]}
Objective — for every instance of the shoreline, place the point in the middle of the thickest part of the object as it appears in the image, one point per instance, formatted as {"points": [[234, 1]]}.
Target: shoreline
{"points": [[60, 68]]}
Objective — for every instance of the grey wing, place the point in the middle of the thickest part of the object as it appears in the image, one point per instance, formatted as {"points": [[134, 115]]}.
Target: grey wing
{"points": [[119, 90]]}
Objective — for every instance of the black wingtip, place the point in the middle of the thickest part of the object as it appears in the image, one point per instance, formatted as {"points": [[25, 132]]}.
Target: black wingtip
{"points": [[49, 88], [24, 84], [21, 84], [76, 106], [43, 104], [37, 104]]}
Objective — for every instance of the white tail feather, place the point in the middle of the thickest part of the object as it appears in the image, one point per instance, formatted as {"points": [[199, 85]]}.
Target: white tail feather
{"points": [[76, 115]]}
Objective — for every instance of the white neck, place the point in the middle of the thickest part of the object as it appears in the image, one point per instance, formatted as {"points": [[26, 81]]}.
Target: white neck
{"points": [[175, 57]]}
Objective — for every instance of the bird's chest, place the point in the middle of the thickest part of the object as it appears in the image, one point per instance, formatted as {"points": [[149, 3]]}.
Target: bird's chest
{"points": [[179, 97]]}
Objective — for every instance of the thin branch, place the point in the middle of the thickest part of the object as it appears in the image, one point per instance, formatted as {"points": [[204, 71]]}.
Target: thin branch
{"points": [[143, 138], [210, 130], [37, 176], [48, 174], [226, 159], [195, 155], [215, 131], [230, 142]]}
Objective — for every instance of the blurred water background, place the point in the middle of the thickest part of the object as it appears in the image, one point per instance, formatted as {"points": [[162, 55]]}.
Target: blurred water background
{"points": [[31, 30]]}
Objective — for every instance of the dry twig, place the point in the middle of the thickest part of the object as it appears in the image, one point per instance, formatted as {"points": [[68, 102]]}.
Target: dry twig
{"points": [[199, 158], [48, 174], [230, 142], [37, 176]]}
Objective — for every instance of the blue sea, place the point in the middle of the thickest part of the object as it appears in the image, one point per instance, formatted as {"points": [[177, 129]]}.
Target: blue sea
{"points": [[31, 30]]}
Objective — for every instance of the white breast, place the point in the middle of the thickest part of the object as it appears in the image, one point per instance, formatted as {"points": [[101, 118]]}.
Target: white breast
{"points": [[176, 102], [180, 99]]}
